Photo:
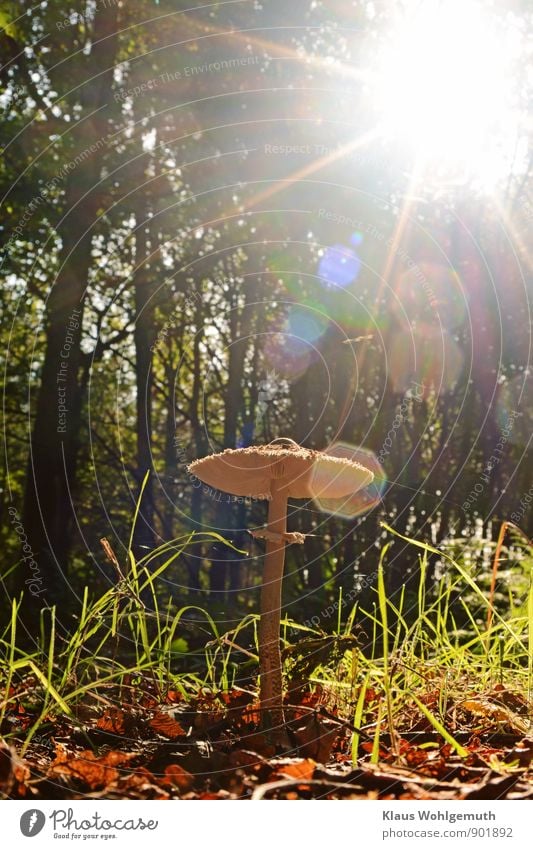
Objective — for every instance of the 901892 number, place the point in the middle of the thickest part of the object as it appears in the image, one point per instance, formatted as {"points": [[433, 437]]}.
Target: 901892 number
{"points": [[491, 832]]}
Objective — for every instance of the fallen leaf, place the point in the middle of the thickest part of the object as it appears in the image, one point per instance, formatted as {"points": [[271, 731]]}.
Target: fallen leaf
{"points": [[368, 747], [141, 783], [315, 738], [245, 758], [371, 695], [252, 714], [93, 771], [415, 756], [515, 701], [6, 767], [495, 712], [259, 742], [175, 776], [113, 721], [164, 724], [173, 696], [303, 769]]}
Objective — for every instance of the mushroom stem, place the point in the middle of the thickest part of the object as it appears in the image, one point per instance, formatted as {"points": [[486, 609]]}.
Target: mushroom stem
{"points": [[269, 650]]}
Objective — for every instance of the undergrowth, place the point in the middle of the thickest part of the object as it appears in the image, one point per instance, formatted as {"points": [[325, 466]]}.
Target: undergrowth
{"points": [[415, 669]]}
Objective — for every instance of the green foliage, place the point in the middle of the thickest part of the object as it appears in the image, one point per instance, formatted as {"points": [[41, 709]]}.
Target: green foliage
{"points": [[128, 631]]}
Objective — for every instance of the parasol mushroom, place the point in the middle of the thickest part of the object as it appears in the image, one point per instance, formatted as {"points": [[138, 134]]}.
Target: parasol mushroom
{"points": [[276, 472]]}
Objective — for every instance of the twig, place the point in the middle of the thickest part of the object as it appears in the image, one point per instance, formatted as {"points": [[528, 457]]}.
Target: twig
{"points": [[321, 711], [112, 557], [260, 792], [289, 537]]}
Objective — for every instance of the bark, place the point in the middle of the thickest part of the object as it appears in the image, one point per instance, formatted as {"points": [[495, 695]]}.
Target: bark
{"points": [[240, 327], [199, 438], [269, 648], [49, 513], [170, 451], [144, 336]]}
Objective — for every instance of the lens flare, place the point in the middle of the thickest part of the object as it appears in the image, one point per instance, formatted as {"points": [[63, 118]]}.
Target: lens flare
{"points": [[287, 355], [429, 357], [339, 266], [363, 500], [432, 293], [306, 324]]}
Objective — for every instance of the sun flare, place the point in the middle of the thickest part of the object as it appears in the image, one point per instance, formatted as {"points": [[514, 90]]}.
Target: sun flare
{"points": [[444, 86]]}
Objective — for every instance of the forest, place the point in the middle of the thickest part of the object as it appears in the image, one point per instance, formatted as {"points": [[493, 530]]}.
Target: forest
{"points": [[231, 225]]}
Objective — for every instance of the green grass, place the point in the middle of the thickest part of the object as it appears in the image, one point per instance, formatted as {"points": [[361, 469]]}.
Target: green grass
{"points": [[415, 666], [117, 636], [427, 665]]}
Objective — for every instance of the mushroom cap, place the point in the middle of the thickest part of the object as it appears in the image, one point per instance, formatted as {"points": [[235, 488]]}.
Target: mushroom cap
{"points": [[300, 472]]}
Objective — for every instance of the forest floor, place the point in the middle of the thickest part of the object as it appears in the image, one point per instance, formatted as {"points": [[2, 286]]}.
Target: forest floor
{"points": [[140, 702], [209, 746]]}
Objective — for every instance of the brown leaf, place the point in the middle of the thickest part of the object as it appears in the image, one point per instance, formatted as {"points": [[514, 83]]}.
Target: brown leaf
{"points": [[222, 794], [415, 756], [303, 769], [175, 776], [164, 724], [148, 701], [22, 775], [315, 738], [204, 720], [252, 714], [142, 784], [495, 712], [6, 767], [113, 721], [260, 743], [312, 699], [93, 771], [431, 698], [368, 747], [482, 707], [245, 758], [14, 772], [236, 698], [512, 699], [173, 696], [372, 695]]}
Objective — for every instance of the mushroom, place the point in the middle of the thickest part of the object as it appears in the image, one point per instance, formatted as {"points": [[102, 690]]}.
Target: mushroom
{"points": [[276, 472]]}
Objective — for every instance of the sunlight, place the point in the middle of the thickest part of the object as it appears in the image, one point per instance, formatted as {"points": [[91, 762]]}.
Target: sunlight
{"points": [[443, 87]]}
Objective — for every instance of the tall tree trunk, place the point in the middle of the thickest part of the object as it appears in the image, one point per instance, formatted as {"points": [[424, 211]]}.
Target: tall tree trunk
{"points": [[240, 326], [169, 510], [144, 336], [49, 512], [199, 439]]}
